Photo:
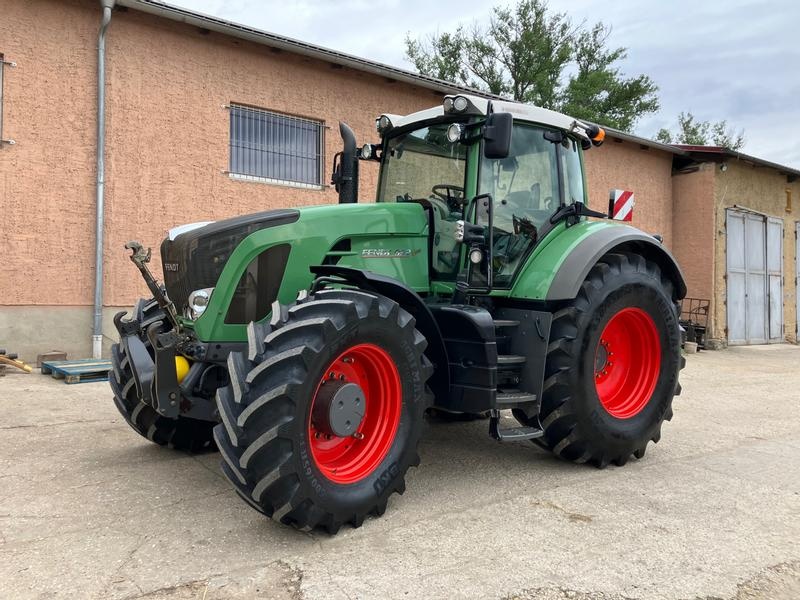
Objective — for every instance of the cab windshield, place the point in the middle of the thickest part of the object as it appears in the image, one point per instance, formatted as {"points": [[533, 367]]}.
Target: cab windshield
{"points": [[423, 164]]}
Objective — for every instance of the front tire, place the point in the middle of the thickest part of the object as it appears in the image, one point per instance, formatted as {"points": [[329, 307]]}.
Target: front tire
{"points": [[612, 364], [282, 450], [182, 433]]}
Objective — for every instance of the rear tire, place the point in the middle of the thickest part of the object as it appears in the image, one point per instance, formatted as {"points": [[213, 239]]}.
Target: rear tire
{"points": [[182, 433], [597, 410], [275, 452]]}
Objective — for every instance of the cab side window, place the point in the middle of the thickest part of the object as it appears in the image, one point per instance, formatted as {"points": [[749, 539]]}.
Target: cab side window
{"points": [[572, 172], [525, 184], [526, 192]]}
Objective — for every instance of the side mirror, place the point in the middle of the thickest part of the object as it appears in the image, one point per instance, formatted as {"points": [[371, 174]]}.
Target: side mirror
{"points": [[497, 135]]}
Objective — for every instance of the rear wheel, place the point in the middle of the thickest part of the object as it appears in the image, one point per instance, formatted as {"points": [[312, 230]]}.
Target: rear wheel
{"points": [[182, 433], [612, 364], [322, 419]]}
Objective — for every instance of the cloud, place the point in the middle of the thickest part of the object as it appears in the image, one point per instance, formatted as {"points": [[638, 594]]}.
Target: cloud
{"points": [[737, 60]]}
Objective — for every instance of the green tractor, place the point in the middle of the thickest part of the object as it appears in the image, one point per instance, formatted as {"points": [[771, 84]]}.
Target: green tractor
{"points": [[307, 345]]}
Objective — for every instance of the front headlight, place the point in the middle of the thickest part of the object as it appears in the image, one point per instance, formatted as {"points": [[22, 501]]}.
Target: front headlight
{"points": [[198, 301]]}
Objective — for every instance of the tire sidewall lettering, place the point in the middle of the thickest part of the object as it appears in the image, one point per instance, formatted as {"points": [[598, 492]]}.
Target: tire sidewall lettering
{"points": [[309, 472]]}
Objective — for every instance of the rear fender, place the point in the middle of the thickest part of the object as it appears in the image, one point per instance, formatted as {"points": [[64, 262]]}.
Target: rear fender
{"points": [[562, 260], [576, 266]]}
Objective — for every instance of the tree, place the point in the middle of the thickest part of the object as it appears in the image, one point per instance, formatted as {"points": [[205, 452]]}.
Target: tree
{"points": [[702, 133], [531, 55], [598, 92]]}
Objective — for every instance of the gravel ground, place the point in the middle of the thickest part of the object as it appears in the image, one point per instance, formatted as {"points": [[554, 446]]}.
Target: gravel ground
{"points": [[90, 510]]}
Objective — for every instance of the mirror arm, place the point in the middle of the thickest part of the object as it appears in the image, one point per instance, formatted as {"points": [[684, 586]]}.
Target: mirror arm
{"points": [[481, 240]]}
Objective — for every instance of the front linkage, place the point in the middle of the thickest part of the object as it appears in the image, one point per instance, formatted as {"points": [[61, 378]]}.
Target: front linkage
{"points": [[154, 373]]}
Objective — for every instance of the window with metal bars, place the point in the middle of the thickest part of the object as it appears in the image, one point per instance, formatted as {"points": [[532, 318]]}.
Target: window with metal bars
{"points": [[275, 148]]}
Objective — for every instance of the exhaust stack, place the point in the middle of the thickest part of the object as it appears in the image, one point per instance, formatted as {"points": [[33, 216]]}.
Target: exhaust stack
{"points": [[345, 167]]}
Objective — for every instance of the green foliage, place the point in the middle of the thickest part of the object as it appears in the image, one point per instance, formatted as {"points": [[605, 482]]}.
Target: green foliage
{"points": [[721, 135], [441, 58], [598, 92], [531, 55], [702, 133]]}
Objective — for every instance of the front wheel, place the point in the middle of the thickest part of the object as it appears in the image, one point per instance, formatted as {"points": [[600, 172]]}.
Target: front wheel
{"points": [[612, 364], [322, 419], [183, 433]]}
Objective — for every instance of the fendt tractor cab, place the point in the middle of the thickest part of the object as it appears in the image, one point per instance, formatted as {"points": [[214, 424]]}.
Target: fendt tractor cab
{"points": [[308, 344]]}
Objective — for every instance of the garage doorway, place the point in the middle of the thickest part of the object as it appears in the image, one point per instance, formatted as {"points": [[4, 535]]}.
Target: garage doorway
{"points": [[755, 278], [797, 278]]}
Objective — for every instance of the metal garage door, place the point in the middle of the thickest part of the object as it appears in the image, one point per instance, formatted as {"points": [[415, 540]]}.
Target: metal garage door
{"points": [[755, 298], [775, 278], [797, 276]]}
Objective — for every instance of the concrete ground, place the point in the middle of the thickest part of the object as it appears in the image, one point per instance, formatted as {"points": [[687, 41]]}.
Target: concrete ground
{"points": [[90, 510]]}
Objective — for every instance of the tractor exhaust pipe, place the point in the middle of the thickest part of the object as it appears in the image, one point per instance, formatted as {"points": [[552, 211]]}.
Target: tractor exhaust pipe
{"points": [[345, 167]]}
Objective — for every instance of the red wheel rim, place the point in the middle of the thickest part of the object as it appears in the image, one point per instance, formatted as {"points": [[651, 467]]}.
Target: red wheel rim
{"points": [[351, 459], [627, 363]]}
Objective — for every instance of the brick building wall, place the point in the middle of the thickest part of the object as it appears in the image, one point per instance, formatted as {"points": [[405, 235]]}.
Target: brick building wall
{"points": [[47, 177], [645, 171], [693, 229]]}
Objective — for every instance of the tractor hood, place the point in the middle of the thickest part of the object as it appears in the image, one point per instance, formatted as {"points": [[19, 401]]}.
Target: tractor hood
{"points": [[253, 260], [193, 256]]}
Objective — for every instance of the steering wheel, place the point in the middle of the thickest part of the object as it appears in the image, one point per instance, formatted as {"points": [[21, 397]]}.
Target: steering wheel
{"points": [[452, 194]]}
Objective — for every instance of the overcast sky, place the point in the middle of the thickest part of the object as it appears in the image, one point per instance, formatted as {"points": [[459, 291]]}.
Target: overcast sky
{"points": [[737, 60]]}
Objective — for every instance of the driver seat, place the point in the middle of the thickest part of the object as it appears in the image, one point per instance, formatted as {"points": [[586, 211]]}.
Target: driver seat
{"points": [[527, 200]]}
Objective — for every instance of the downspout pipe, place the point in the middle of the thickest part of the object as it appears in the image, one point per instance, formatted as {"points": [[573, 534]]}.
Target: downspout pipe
{"points": [[97, 328]]}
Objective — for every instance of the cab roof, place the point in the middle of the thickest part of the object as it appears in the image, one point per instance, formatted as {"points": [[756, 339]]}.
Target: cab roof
{"points": [[484, 106]]}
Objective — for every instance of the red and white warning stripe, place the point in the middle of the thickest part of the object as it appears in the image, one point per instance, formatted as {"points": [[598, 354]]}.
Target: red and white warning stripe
{"points": [[622, 203]]}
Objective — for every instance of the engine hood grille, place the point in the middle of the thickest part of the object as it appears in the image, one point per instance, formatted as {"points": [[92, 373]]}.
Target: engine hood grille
{"points": [[195, 259]]}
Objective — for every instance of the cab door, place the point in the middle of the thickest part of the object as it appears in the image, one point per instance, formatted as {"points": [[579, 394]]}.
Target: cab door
{"points": [[533, 182]]}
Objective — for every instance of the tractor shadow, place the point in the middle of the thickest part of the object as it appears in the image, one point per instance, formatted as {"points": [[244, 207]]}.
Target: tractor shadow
{"points": [[460, 465], [458, 450]]}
